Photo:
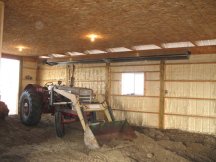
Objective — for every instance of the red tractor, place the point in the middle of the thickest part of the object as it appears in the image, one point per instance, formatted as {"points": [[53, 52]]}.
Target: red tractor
{"points": [[71, 104]]}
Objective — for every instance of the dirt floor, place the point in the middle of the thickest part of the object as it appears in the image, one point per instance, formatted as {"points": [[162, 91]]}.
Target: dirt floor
{"points": [[22, 143]]}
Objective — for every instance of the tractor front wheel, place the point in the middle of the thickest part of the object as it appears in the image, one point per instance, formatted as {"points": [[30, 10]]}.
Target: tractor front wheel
{"points": [[59, 125], [30, 105]]}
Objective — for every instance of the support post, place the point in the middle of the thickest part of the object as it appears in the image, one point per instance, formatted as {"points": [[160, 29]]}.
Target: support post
{"points": [[107, 84], [1, 24], [1, 30], [162, 94]]}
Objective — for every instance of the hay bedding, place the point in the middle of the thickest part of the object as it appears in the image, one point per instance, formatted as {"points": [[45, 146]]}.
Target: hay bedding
{"points": [[21, 143]]}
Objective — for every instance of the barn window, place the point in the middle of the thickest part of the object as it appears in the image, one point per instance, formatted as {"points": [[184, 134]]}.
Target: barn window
{"points": [[132, 84]]}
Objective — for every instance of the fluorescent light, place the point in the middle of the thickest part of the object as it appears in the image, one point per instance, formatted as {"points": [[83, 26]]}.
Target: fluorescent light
{"points": [[145, 47], [44, 57], [95, 51], [74, 53], [177, 44], [209, 42], [118, 49], [56, 55]]}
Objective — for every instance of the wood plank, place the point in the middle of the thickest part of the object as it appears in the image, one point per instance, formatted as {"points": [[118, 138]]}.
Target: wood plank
{"points": [[90, 80], [135, 72], [145, 80], [134, 65], [189, 115], [182, 63], [134, 96], [162, 94], [190, 98], [136, 111], [108, 84], [190, 80], [1, 25]]}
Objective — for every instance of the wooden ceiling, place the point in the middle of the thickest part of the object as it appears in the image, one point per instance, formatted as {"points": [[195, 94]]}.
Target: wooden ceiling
{"points": [[59, 26]]}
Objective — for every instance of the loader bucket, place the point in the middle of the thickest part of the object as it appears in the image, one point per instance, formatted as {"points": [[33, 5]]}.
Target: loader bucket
{"points": [[98, 134]]}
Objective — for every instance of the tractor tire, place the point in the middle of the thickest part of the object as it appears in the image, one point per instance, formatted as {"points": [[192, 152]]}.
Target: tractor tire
{"points": [[30, 105], [58, 124]]}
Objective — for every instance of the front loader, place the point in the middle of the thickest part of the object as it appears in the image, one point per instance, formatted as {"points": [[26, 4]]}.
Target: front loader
{"points": [[72, 104]]}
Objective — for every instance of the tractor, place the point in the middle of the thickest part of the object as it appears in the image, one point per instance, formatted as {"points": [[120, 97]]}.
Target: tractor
{"points": [[72, 104]]}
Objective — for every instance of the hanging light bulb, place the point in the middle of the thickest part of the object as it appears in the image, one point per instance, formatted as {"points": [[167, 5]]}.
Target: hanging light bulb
{"points": [[93, 37]]}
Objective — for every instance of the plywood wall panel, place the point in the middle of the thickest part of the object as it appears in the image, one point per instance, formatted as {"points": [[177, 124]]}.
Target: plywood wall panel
{"points": [[138, 119], [91, 76], [152, 88], [90, 65], [29, 70], [53, 74], [136, 68], [190, 107], [152, 76], [145, 104], [200, 72], [116, 87], [193, 124], [191, 89], [135, 63]]}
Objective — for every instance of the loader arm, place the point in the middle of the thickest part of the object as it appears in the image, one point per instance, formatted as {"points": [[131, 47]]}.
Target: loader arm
{"points": [[98, 133]]}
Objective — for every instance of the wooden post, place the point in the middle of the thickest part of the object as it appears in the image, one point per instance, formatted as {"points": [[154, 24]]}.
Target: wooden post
{"points": [[1, 30], [162, 93], [107, 84], [1, 24]]}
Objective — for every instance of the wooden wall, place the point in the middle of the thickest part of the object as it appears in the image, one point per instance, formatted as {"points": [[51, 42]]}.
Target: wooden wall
{"points": [[178, 94], [91, 76], [53, 74], [190, 101], [139, 110], [28, 72]]}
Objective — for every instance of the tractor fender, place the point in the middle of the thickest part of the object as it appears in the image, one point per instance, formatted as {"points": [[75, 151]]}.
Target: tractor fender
{"points": [[34, 88]]}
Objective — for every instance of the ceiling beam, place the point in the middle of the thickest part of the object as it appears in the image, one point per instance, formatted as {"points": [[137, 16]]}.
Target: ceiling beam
{"points": [[124, 56]]}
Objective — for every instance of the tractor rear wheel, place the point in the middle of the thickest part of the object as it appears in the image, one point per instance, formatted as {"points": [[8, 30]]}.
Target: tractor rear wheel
{"points": [[30, 105], [59, 125]]}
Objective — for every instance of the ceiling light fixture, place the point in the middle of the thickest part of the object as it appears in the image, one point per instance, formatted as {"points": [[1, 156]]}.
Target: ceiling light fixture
{"points": [[20, 48], [93, 37]]}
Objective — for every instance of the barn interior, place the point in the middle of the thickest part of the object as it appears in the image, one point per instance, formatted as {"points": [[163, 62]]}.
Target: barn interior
{"points": [[152, 62]]}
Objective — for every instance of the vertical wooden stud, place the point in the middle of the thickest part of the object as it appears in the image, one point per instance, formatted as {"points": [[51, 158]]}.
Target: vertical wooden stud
{"points": [[1, 29], [161, 108], [1, 24], [107, 83]]}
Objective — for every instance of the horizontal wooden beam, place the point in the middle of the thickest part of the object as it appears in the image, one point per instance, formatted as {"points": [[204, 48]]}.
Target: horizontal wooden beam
{"points": [[137, 54], [136, 111], [134, 96], [122, 55], [191, 115], [190, 98]]}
